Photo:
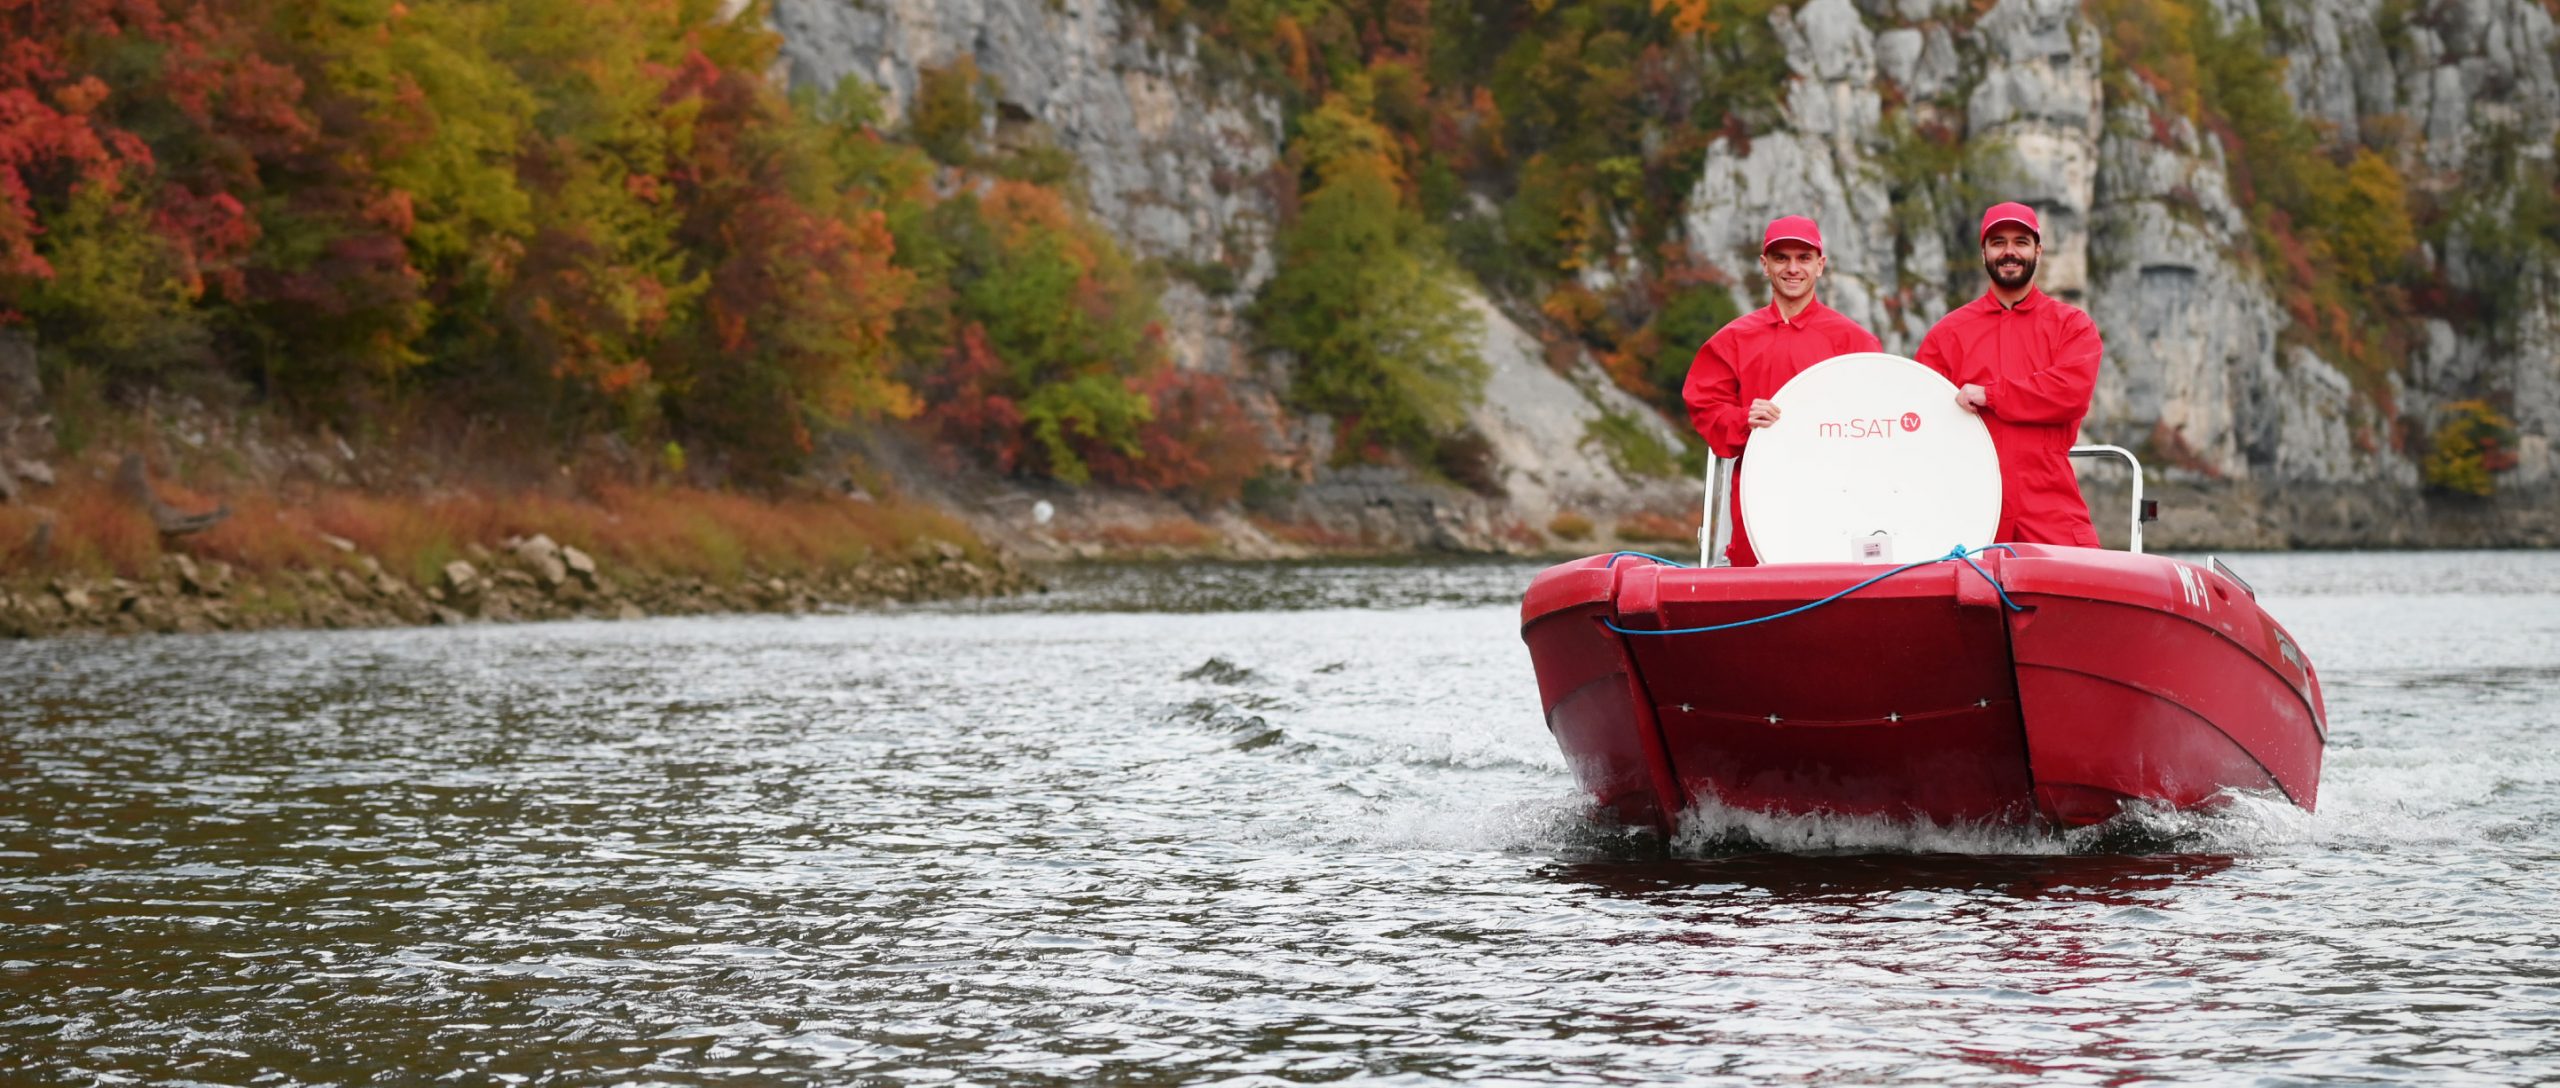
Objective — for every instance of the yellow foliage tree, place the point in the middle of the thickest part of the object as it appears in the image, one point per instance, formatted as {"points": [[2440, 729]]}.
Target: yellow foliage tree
{"points": [[1688, 16], [2474, 444], [2373, 235]]}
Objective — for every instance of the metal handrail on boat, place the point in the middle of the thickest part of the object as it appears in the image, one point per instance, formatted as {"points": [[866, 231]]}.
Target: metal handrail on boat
{"points": [[1712, 532], [1711, 528], [2136, 510], [2218, 566]]}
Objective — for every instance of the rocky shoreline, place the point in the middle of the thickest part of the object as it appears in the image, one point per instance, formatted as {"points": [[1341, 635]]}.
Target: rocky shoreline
{"points": [[524, 579], [535, 578], [2249, 516]]}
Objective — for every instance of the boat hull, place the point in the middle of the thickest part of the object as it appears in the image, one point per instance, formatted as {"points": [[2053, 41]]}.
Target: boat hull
{"points": [[2101, 678]]}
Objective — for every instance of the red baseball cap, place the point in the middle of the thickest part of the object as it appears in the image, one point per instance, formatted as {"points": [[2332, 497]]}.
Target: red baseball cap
{"points": [[1792, 228], [2011, 212]]}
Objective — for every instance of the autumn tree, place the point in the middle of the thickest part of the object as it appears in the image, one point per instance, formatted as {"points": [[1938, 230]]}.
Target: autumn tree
{"points": [[108, 244], [1365, 302], [801, 289]]}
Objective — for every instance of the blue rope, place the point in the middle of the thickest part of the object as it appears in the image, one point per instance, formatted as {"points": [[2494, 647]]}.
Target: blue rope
{"points": [[1615, 556], [1960, 554]]}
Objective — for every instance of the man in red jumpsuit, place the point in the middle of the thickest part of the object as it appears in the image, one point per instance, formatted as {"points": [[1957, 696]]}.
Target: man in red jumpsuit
{"points": [[2025, 363], [1741, 366]]}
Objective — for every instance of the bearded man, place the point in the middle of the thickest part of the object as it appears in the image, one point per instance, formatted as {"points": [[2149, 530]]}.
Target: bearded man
{"points": [[2026, 364]]}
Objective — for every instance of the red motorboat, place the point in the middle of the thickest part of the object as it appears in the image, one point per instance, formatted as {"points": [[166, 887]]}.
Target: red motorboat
{"points": [[2001, 685], [2022, 684]]}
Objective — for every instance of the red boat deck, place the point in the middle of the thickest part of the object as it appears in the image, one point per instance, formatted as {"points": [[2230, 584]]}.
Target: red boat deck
{"points": [[2104, 677]]}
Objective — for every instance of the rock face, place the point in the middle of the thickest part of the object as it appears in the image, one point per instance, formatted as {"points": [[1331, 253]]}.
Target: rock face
{"points": [[1543, 430], [1549, 437], [1178, 166], [26, 431], [1184, 167], [2204, 373]]}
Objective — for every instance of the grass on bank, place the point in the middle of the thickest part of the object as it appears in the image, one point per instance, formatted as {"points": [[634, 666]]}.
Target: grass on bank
{"points": [[719, 537]]}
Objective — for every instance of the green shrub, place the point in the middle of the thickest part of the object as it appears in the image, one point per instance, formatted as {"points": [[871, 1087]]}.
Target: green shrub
{"points": [[1682, 326], [1632, 448], [1368, 305], [947, 111]]}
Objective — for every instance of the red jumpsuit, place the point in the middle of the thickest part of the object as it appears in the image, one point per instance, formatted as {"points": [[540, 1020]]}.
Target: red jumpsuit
{"points": [[1748, 360], [2036, 362]]}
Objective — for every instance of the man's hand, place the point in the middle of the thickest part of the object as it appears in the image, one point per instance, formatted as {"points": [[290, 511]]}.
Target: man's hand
{"points": [[1763, 413], [1972, 397]]}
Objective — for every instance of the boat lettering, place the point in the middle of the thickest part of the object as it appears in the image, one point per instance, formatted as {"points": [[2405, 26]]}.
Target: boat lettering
{"points": [[1879, 427], [2192, 584]]}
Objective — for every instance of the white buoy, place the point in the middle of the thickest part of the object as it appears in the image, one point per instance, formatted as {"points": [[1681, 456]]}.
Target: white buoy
{"points": [[1871, 461], [1041, 512]]}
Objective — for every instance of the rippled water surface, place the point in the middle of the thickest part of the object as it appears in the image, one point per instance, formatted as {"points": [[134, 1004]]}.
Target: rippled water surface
{"points": [[1249, 825]]}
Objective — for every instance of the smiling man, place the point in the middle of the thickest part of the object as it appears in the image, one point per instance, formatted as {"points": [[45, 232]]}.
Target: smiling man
{"points": [[1739, 368], [2026, 364]]}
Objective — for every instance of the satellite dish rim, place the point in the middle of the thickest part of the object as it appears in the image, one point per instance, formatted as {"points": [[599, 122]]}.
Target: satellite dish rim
{"points": [[1923, 486]]}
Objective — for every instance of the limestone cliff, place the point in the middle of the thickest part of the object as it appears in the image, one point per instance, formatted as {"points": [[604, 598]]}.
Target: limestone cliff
{"points": [[1175, 163]]}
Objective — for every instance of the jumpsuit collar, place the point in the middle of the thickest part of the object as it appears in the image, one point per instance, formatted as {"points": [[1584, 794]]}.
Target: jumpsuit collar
{"points": [[2025, 302], [1812, 308]]}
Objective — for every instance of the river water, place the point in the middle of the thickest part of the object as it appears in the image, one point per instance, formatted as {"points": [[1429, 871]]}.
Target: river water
{"points": [[1202, 824]]}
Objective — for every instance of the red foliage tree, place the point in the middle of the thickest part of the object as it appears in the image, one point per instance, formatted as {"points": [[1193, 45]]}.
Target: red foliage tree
{"points": [[50, 137], [967, 408], [802, 293], [1199, 443]]}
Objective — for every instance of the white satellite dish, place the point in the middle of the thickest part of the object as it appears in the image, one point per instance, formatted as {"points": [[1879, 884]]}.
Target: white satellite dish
{"points": [[1871, 460]]}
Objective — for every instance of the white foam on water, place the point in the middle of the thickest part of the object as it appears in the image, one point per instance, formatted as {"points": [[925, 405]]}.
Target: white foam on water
{"points": [[1489, 812], [1712, 827], [1452, 791], [2390, 798], [1512, 825], [2447, 796], [2235, 823], [1552, 822]]}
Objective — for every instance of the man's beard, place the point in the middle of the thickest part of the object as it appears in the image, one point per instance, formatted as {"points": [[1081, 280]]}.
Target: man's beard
{"points": [[2022, 274]]}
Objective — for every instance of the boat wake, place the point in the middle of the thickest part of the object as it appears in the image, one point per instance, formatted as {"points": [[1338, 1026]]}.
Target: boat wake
{"points": [[2241, 824], [1246, 731], [1710, 829], [1443, 815], [1560, 825]]}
